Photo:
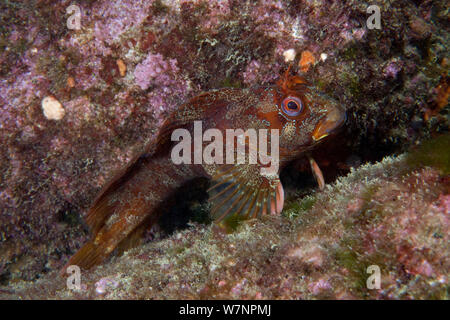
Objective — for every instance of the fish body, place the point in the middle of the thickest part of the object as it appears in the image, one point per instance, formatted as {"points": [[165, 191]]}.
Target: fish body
{"points": [[131, 201]]}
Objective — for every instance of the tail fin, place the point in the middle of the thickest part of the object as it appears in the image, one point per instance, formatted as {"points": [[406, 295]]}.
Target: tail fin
{"points": [[122, 222], [88, 256], [126, 207], [97, 250]]}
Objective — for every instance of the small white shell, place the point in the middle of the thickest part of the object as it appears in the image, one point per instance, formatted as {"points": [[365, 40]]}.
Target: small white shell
{"points": [[52, 108]]}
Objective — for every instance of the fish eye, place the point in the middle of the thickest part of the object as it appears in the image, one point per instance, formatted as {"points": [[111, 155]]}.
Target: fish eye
{"points": [[292, 106]]}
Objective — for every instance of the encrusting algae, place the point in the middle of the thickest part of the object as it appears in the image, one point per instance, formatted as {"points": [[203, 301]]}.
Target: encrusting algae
{"points": [[393, 83], [131, 202]]}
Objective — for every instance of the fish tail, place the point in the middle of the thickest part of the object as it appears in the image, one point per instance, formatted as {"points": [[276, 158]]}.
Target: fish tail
{"points": [[127, 206], [88, 256], [117, 225]]}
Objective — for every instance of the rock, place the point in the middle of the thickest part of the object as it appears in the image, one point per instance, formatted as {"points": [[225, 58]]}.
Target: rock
{"points": [[420, 29], [52, 170]]}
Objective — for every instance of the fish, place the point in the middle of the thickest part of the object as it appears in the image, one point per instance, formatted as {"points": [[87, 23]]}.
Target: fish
{"points": [[130, 202]]}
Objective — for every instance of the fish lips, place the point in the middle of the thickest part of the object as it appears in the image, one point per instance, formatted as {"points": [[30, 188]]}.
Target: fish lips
{"points": [[331, 122]]}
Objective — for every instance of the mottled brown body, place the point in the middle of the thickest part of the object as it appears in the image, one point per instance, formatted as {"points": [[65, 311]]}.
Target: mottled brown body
{"points": [[125, 205], [129, 203]]}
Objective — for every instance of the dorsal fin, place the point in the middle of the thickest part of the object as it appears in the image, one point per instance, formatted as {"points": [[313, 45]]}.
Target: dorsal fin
{"points": [[182, 117], [200, 108]]}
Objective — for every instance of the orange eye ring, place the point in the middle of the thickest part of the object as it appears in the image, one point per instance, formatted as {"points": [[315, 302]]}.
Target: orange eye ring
{"points": [[292, 106]]}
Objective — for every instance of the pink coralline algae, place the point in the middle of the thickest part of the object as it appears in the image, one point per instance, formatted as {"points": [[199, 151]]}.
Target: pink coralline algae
{"points": [[105, 284], [51, 170], [319, 286], [154, 70], [251, 71], [392, 69], [168, 85]]}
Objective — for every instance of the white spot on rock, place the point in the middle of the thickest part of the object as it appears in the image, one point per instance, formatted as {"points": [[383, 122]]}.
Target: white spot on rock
{"points": [[52, 108], [289, 55]]}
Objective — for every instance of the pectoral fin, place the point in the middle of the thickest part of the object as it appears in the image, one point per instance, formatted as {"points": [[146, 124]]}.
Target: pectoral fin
{"points": [[317, 173], [243, 191]]}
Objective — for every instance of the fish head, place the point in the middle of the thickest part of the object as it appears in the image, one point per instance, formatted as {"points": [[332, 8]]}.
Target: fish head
{"points": [[303, 115]]}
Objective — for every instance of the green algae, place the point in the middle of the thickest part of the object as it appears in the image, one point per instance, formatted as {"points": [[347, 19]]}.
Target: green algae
{"points": [[55, 71], [159, 7], [350, 255], [293, 209], [230, 83], [232, 222], [434, 153], [350, 53], [370, 210]]}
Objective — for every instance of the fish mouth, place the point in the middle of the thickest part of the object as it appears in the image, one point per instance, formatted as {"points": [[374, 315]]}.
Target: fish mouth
{"points": [[333, 120]]}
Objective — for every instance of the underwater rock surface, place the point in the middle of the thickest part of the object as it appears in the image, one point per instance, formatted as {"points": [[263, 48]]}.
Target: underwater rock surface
{"points": [[132, 62], [387, 214]]}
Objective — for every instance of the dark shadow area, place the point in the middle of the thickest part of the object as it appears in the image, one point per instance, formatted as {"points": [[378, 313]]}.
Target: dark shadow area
{"points": [[188, 203]]}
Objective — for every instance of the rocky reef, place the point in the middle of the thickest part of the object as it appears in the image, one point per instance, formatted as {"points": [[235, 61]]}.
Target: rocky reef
{"points": [[393, 214], [78, 103]]}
